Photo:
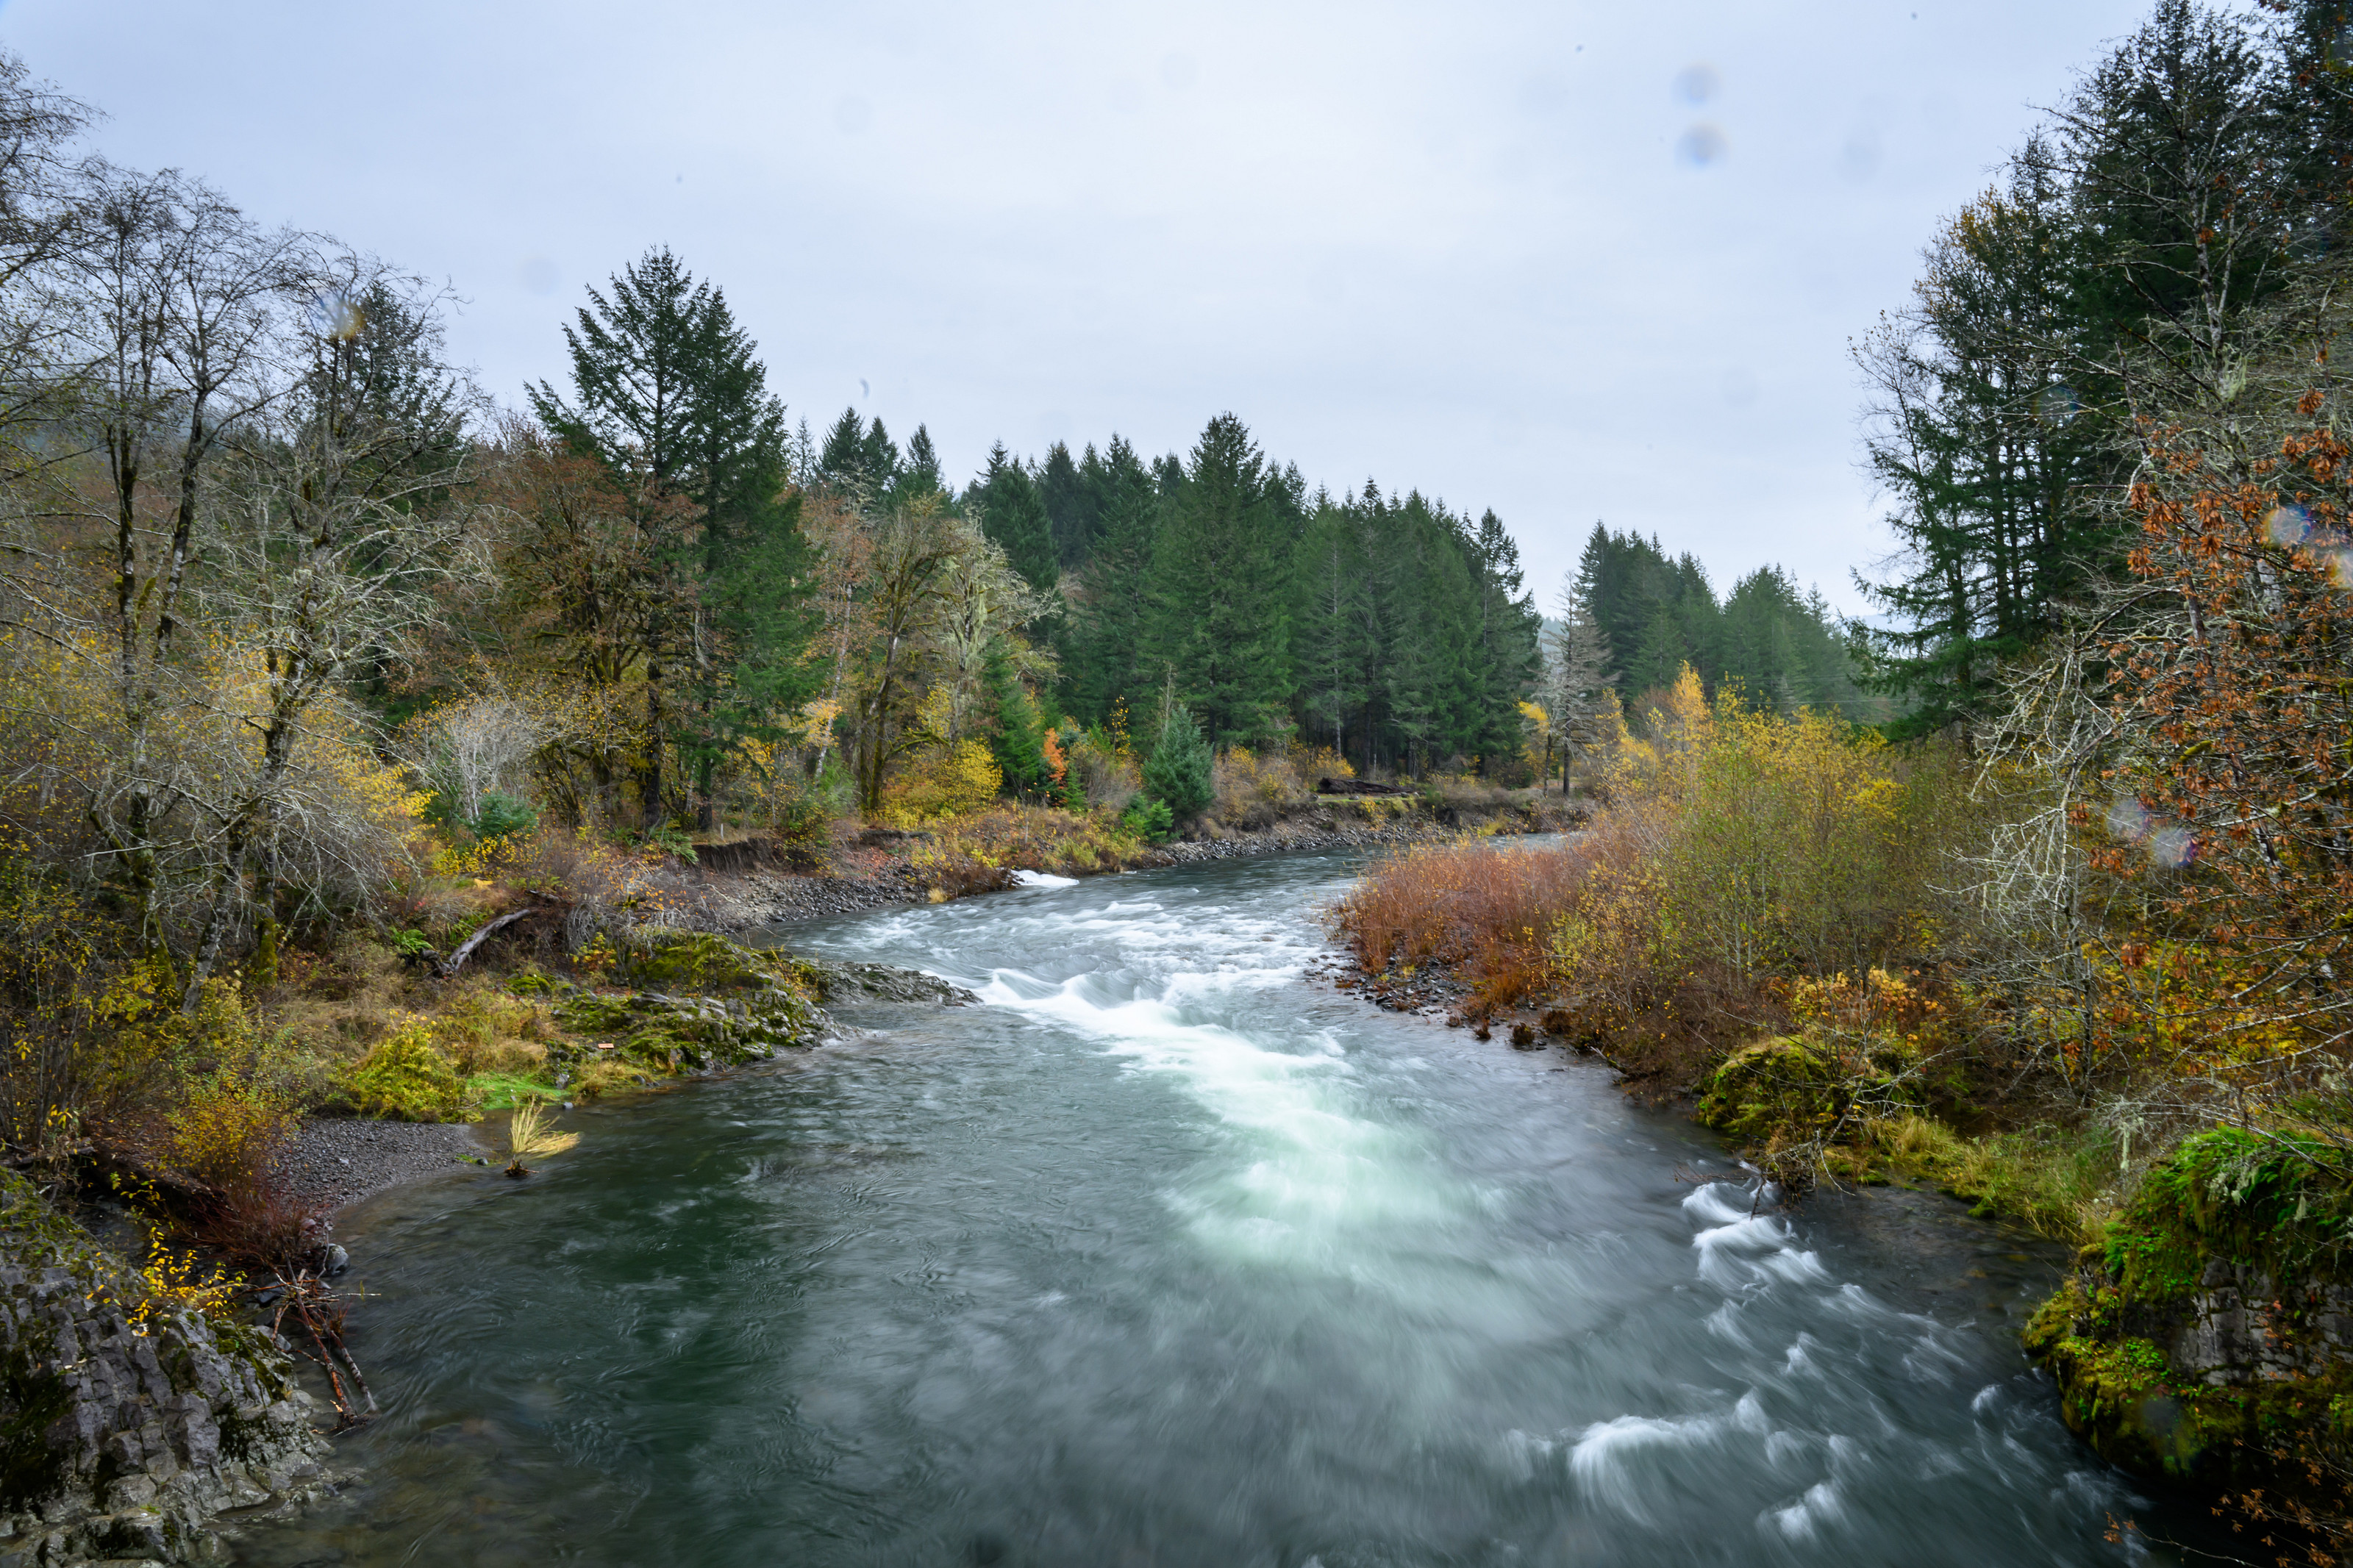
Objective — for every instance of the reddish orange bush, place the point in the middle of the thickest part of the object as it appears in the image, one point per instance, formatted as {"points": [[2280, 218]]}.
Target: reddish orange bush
{"points": [[1487, 909]]}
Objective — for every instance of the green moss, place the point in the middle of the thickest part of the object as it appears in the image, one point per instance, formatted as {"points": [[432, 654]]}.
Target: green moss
{"points": [[531, 983], [1788, 1089], [505, 1090], [657, 960], [2273, 1204], [2268, 1209], [588, 1013]]}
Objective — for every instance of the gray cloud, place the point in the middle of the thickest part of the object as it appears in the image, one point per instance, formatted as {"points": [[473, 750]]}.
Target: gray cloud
{"points": [[1449, 247]]}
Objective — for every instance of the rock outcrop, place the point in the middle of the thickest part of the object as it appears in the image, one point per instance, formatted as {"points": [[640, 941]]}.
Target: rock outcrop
{"points": [[127, 1421], [2209, 1339], [839, 981]]}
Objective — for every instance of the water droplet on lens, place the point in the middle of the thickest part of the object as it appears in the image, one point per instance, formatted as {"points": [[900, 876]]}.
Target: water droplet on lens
{"points": [[864, 391], [2340, 48], [1696, 84], [1859, 156], [2172, 847], [336, 315], [2057, 403], [538, 275], [2288, 525], [2128, 818], [1702, 146]]}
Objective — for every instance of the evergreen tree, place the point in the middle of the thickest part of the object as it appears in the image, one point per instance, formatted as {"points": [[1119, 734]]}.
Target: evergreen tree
{"points": [[670, 397], [860, 457], [1507, 658], [1218, 617], [922, 471], [1333, 646], [1071, 509], [842, 460], [1179, 770], [1019, 741], [1106, 663], [1013, 515], [2111, 272]]}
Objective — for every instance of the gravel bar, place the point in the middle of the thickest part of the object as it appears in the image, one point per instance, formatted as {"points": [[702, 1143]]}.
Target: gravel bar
{"points": [[336, 1161]]}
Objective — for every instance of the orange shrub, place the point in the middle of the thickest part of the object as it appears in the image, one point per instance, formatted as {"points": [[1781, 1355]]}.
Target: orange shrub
{"points": [[1486, 908]]}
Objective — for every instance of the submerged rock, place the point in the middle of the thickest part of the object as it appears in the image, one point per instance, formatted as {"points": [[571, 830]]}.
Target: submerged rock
{"points": [[126, 1422], [841, 982], [2209, 1339]]}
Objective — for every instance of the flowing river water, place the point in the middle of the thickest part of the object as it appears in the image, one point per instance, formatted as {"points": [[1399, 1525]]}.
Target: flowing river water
{"points": [[1166, 1256]]}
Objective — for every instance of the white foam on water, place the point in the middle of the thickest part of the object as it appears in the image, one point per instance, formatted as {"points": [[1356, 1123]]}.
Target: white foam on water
{"points": [[1042, 880], [1605, 1457], [1738, 1247], [1803, 1520], [1724, 1323], [1317, 1180]]}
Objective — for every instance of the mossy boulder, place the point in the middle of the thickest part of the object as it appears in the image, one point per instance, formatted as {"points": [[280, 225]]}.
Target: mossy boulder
{"points": [[705, 1003], [2210, 1334], [1788, 1089], [651, 958]]}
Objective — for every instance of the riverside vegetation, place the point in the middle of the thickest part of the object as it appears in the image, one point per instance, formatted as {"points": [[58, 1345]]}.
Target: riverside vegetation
{"points": [[364, 742], [318, 667], [2067, 935]]}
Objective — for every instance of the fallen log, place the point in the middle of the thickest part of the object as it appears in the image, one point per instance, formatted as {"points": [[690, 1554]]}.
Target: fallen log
{"points": [[1357, 787], [448, 966]]}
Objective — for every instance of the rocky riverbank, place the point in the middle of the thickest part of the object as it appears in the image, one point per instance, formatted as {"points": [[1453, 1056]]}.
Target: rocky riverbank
{"points": [[131, 1422], [748, 888]]}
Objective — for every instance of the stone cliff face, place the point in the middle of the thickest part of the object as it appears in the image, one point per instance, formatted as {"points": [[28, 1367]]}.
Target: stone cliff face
{"points": [[127, 1426], [2211, 1337]]}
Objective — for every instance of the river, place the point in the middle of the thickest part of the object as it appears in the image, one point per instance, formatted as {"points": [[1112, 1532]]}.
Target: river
{"points": [[1165, 1256]]}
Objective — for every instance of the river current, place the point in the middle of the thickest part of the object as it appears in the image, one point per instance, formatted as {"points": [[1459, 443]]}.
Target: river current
{"points": [[1166, 1256]]}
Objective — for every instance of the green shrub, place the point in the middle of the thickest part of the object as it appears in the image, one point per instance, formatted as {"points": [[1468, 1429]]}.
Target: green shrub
{"points": [[1148, 819], [499, 815], [407, 1078], [1182, 769]]}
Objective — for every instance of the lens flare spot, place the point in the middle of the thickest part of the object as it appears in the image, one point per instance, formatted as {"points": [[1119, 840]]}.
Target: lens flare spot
{"points": [[2172, 847], [1702, 147], [334, 315], [2288, 525]]}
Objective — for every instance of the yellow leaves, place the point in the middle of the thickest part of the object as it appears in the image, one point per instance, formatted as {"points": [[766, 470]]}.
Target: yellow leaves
{"points": [[954, 781], [817, 717]]}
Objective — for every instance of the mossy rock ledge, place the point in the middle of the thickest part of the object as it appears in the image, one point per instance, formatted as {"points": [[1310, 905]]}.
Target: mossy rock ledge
{"points": [[2207, 1342], [706, 1003], [126, 1426]]}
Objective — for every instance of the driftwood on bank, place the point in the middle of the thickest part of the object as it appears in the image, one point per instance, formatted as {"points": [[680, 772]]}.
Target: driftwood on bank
{"points": [[448, 966], [1357, 787]]}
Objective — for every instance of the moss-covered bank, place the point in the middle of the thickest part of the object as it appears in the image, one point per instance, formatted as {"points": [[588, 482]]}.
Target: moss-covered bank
{"points": [[2211, 1331]]}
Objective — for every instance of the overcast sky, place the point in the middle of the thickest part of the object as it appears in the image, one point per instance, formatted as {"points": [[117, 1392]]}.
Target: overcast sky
{"points": [[1571, 261]]}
